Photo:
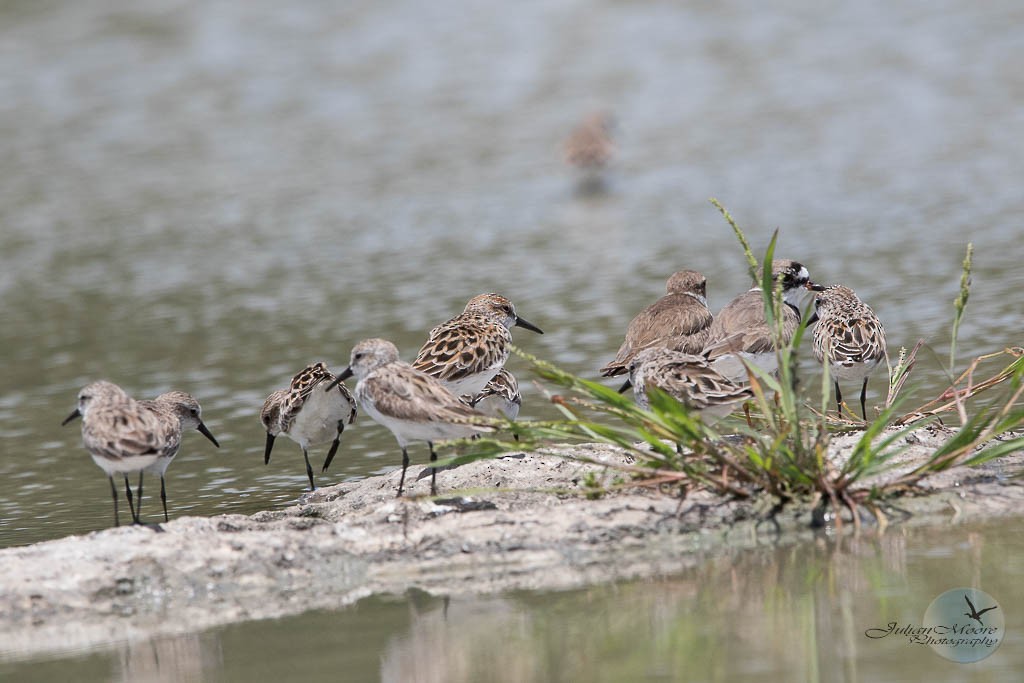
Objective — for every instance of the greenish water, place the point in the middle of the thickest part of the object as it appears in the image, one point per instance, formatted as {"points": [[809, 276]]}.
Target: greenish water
{"points": [[776, 613], [208, 196]]}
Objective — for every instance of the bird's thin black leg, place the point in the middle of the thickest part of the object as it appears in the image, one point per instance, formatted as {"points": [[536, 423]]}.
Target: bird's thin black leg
{"points": [[863, 397], [131, 499], [309, 470], [839, 400], [405, 464], [113, 492], [163, 496], [138, 504], [433, 470], [334, 446]]}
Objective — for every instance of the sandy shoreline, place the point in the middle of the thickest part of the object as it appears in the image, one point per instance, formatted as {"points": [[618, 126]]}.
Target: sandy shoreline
{"points": [[502, 529]]}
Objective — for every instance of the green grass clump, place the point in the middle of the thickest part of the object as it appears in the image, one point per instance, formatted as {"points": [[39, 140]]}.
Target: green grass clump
{"points": [[783, 451]]}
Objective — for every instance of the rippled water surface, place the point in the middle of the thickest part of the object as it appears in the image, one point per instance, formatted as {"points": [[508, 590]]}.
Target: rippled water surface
{"points": [[209, 195]]}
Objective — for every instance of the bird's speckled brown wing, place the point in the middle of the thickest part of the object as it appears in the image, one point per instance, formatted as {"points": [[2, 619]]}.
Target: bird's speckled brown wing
{"points": [[407, 394], [130, 430], [695, 384], [463, 346], [298, 392], [846, 342]]}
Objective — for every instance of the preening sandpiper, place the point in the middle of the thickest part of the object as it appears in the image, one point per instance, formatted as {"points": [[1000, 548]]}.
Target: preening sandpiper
{"points": [[500, 398], [314, 409], [689, 379]]}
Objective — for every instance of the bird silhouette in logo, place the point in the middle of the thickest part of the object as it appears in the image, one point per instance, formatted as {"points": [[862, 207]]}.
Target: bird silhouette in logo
{"points": [[974, 613]]}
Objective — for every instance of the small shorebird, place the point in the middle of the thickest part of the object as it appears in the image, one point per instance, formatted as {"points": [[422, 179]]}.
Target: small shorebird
{"points": [[309, 412], [465, 352], [500, 398], [689, 379], [589, 146], [740, 331], [849, 336], [121, 435], [413, 405], [679, 321], [184, 411]]}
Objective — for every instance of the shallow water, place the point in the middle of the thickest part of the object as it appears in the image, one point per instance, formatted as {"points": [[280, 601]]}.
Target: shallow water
{"points": [[208, 196], [777, 613]]}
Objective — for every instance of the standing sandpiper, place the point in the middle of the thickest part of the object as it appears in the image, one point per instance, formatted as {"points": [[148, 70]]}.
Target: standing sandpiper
{"points": [[465, 352], [679, 321], [413, 405], [309, 412], [181, 409], [849, 336], [122, 436]]}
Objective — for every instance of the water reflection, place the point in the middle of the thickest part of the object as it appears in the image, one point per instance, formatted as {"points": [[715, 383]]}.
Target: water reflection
{"points": [[795, 612], [187, 657]]}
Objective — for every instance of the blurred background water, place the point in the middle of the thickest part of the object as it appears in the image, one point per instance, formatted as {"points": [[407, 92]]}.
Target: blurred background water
{"points": [[209, 195]]}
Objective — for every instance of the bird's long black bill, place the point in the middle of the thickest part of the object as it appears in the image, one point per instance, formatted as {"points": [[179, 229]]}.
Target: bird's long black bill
{"points": [[528, 325], [71, 417], [813, 319], [270, 447], [206, 432], [345, 374], [815, 288], [626, 386]]}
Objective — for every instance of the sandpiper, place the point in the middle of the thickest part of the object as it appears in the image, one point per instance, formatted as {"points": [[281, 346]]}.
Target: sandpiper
{"points": [[589, 146], [309, 412], [183, 410], [740, 331], [849, 336], [121, 435], [465, 352], [413, 405], [500, 398], [679, 321], [689, 379]]}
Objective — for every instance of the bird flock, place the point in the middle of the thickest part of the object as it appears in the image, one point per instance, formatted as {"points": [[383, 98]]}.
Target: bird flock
{"points": [[458, 379]]}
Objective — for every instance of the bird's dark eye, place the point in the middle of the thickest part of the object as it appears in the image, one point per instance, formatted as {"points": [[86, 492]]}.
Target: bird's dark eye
{"points": [[358, 356]]}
